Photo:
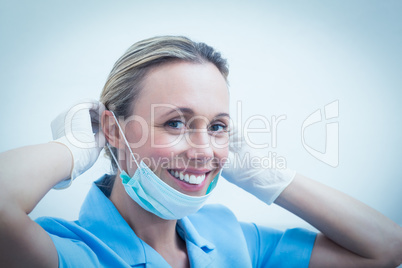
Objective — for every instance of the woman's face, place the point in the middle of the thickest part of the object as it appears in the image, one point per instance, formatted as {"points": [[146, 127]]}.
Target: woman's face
{"points": [[179, 126]]}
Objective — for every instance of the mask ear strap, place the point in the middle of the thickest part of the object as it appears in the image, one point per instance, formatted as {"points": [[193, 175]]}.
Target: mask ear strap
{"points": [[114, 157], [125, 140]]}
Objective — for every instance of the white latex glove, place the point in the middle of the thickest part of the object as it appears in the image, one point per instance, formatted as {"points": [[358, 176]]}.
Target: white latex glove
{"points": [[79, 129], [245, 169]]}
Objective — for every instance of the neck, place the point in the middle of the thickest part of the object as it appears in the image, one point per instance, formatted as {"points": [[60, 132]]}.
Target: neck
{"points": [[160, 234]]}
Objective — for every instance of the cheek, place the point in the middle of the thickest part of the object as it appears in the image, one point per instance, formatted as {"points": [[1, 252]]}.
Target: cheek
{"points": [[221, 156], [164, 144], [167, 152], [162, 149], [220, 145], [137, 134], [161, 139]]}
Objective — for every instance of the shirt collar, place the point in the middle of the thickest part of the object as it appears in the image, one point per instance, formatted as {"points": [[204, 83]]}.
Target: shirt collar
{"points": [[99, 216], [200, 251], [188, 232]]}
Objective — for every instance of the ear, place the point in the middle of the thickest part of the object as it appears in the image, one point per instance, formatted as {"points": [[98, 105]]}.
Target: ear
{"points": [[110, 129]]}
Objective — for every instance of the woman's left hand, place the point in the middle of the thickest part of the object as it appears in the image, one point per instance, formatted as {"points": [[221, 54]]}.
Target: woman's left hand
{"points": [[353, 234], [246, 168]]}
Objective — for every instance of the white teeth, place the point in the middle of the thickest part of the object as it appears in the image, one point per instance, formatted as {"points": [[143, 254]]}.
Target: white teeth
{"points": [[192, 179], [200, 179]]}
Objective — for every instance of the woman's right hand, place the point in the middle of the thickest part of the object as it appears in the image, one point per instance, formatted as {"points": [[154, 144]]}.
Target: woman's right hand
{"points": [[28, 173], [78, 128]]}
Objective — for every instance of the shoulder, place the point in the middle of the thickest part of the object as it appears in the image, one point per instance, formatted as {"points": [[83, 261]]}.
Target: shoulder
{"points": [[67, 230], [276, 248], [213, 221], [70, 239], [215, 215], [59, 227], [264, 245], [78, 246], [212, 212]]}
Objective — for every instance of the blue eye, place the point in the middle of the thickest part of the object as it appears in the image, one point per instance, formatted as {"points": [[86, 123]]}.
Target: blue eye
{"points": [[217, 128], [175, 124]]}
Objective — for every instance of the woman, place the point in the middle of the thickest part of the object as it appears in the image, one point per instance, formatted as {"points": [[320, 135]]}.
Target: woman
{"points": [[167, 120]]}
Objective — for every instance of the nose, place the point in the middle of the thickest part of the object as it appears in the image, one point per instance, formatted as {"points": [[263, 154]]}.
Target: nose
{"points": [[199, 145]]}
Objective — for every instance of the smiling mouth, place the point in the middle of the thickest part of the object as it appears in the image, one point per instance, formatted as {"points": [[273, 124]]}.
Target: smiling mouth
{"points": [[189, 178]]}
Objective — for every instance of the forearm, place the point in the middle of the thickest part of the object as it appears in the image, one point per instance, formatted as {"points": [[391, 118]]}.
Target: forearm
{"points": [[28, 173], [346, 221]]}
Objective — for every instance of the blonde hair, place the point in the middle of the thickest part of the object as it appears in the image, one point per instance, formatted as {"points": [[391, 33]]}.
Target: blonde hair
{"points": [[124, 83]]}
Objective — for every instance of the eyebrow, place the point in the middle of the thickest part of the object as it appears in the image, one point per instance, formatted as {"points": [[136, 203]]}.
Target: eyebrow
{"points": [[186, 110], [222, 115]]}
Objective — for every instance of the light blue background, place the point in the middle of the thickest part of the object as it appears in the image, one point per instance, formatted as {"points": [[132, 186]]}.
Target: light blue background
{"points": [[286, 58]]}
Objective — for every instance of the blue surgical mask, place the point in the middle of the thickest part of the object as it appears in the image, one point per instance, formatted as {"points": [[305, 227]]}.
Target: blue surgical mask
{"points": [[154, 195]]}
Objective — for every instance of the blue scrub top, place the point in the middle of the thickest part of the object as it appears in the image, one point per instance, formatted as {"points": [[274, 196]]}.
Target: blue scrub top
{"points": [[214, 238]]}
